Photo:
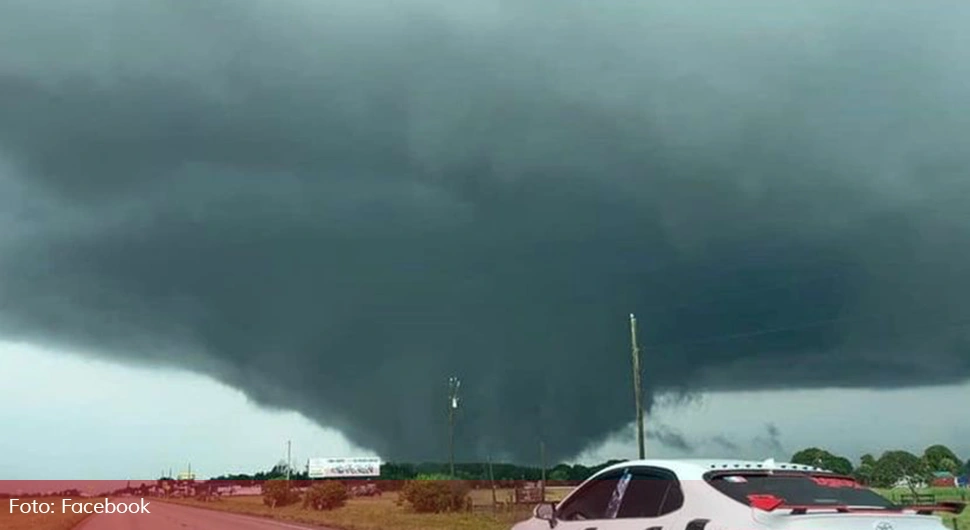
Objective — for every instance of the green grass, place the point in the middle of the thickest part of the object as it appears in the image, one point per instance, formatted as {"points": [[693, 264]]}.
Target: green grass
{"points": [[962, 522]]}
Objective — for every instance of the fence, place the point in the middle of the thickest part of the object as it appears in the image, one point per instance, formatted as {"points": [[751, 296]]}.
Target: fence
{"points": [[919, 498]]}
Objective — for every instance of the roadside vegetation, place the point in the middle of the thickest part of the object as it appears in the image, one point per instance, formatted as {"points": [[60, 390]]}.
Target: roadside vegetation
{"points": [[904, 477], [423, 497], [390, 511]]}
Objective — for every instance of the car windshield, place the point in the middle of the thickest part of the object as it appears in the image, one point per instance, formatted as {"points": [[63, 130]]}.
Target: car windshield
{"points": [[798, 489]]}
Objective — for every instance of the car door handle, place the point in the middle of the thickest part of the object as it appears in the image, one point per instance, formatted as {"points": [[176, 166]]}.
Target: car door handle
{"points": [[697, 524], [656, 528]]}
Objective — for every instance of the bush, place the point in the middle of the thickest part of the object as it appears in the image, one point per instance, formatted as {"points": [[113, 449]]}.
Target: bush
{"points": [[326, 495], [277, 493], [436, 494]]}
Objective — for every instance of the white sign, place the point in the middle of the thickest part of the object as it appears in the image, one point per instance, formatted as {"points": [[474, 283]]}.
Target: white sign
{"points": [[344, 467]]}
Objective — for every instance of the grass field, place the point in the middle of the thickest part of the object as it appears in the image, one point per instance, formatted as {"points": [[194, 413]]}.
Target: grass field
{"points": [[383, 513], [483, 497], [962, 522], [51, 521]]}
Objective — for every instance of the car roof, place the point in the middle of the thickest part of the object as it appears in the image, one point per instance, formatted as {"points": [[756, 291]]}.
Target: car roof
{"points": [[696, 468]]}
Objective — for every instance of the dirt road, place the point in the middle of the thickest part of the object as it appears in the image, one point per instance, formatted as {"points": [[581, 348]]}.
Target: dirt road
{"points": [[175, 517]]}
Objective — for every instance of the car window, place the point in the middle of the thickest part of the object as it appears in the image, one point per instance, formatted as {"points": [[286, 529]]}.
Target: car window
{"points": [[651, 493], [592, 499], [798, 489]]}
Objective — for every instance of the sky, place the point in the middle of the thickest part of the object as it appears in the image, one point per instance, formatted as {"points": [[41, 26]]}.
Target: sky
{"points": [[331, 207], [89, 429]]}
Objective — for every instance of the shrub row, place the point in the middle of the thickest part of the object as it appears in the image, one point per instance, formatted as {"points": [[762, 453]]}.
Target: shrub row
{"points": [[326, 495], [425, 494]]}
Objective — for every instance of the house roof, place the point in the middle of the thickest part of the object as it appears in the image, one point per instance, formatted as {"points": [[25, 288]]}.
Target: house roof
{"points": [[942, 474]]}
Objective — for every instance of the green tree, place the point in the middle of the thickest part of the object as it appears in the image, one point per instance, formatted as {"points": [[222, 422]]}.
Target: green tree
{"points": [[579, 472], [864, 473], [965, 469], [278, 471], [813, 456], [941, 458], [895, 466], [559, 473]]}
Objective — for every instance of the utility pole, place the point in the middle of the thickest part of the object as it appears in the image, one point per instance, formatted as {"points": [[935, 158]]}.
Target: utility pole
{"points": [[637, 390], [542, 462], [288, 460], [454, 383], [491, 479]]}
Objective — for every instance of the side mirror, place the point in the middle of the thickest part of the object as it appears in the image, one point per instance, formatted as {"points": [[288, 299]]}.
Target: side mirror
{"points": [[546, 511]]}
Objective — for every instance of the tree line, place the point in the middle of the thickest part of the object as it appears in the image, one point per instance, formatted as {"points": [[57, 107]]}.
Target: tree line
{"points": [[501, 473], [889, 469]]}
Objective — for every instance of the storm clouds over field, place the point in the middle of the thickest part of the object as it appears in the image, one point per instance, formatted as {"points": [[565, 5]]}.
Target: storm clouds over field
{"points": [[334, 207]]}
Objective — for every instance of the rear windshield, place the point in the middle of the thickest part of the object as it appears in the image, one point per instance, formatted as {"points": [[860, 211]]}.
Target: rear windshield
{"points": [[799, 489]]}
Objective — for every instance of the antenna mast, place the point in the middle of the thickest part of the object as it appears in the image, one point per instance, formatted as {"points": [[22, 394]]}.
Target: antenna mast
{"points": [[453, 383]]}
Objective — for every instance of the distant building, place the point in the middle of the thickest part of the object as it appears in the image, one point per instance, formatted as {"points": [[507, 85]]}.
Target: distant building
{"points": [[247, 490], [944, 479], [907, 482]]}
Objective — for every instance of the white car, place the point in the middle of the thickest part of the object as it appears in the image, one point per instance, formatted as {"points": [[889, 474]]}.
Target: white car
{"points": [[727, 495]]}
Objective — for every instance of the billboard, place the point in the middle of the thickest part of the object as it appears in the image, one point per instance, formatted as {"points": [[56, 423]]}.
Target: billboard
{"points": [[344, 467]]}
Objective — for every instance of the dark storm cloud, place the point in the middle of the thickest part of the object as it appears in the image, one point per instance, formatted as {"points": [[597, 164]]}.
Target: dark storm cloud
{"points": [[672, 438], [771, 440], [334, 207], [666, 435], [722, 442]]}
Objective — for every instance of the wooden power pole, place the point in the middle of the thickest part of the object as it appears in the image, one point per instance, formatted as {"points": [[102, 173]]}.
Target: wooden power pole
{"points": [[542, 463], [491, 479], [637, 389]]}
